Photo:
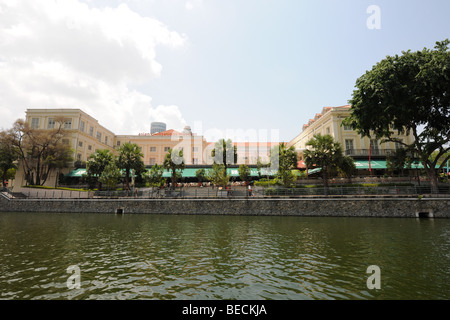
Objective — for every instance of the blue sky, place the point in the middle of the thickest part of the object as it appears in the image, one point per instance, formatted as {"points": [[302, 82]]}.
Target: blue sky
{"points": [[255, 64]]}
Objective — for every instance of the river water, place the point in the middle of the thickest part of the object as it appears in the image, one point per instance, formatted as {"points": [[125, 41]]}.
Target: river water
{"points": [[221, 257]]}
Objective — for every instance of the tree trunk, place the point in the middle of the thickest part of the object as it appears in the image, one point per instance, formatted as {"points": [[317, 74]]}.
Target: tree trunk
{"points": [[127, 178], [325, 180], [431, 173]]}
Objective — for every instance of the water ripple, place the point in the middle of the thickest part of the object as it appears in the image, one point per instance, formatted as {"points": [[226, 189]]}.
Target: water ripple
{"points": [[188, 257]]}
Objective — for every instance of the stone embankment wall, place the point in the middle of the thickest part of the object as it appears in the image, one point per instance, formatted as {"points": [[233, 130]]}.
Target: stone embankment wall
{"points": [[345, 207]]}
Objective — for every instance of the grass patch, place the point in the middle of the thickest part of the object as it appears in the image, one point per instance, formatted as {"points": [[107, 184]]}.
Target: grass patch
{"points": [[53, 188]]}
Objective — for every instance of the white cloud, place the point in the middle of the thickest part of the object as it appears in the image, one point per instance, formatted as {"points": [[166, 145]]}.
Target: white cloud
{"points": [[65, 54], [191, 4], [170, 115]]}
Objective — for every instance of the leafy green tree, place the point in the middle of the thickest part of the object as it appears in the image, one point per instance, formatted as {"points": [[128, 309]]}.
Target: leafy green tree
{"points": [[217, 175], [110, 176], [260, 165], [399, 160], [38, 150], [224, 153], [96, 164], [285, 160], [408, 93], [130, 159], [201, 175], [347, 167], [174, 162], [325, 153], [244, 172], [154, 176], [8, 159]]}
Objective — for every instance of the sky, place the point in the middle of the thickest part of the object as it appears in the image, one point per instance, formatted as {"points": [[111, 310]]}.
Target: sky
{"points": [[249, 70]]}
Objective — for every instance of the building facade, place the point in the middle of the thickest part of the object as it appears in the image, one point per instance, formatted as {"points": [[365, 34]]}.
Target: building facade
{"points": [[329, 121], [85, 135], [155, 146]]}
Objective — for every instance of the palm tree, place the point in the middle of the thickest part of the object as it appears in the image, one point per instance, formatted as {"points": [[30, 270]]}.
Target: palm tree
{"points": [[224, 153], [325, 153], [286, 160], [97, 163], [174, 161], [130, 158]]}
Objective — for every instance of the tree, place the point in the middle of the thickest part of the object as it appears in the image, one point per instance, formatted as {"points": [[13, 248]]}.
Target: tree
{"points": [[130, 159], [325, 153], [347, 167], [217, 175], [155, 176], [286, 160], [174, 162], [97, 163], [260, 165], [224, 153], [110, 176], [408, 94], [39, 150], [398, 160], [8, 159], [201, 175], [244, 172]]}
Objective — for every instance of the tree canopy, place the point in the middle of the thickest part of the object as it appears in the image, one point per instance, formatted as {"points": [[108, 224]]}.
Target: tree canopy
{"points": [[327, 154], [174, 162], [285, 160], [130, 158], [407, 93], [224, 153], [39, 150]]}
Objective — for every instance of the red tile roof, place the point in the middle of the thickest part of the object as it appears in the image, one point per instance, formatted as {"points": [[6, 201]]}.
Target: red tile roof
{"points": [[170, 132]]}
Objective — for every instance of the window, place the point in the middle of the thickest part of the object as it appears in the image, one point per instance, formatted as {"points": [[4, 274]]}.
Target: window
{"points": [[89, 148], [118, 143], [35, 123], [152, 149], [91, 131], [194, 161], [348, 144], [152, 161], [80, 143], [51, 123], [166, 149], [374, 146], [106, 140], [65, 141], [79, 157], [68, 124], [82, 124], [99, 136], [328, 130], [347, 128]]}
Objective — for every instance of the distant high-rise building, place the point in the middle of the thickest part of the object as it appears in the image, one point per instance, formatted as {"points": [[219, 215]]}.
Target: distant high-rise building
{"points": [[156, 127]]}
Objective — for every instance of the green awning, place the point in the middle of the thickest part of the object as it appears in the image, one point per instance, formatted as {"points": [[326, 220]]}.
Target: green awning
{"points": [[234, 172], [312, 171], [374, 164], [76, 173]]}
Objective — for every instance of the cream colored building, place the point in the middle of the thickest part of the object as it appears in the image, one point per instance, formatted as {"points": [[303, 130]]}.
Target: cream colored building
{"points": [[329, 121], [155, 146], [85, 134], [247, 152]]}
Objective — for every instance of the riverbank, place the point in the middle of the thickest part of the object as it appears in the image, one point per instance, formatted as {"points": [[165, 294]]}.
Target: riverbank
{"points": [[324, 207]]}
